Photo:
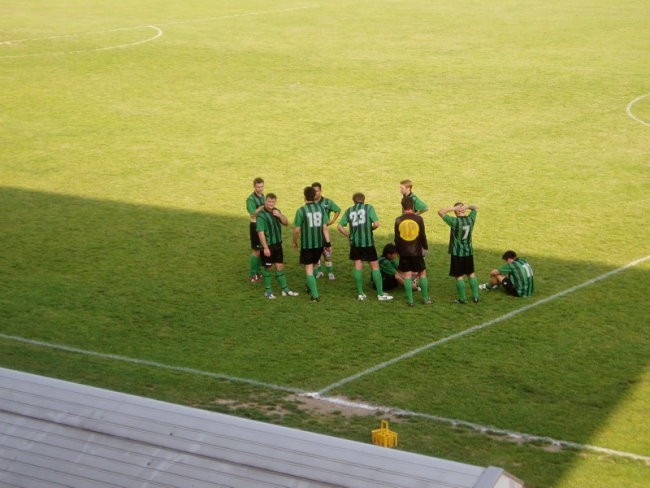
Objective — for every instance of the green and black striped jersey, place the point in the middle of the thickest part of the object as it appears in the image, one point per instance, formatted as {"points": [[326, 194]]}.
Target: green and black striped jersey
{"points": [[388, 267], [460, 234], [521, 275], [360, 217], [271, 226], [253, 202], [329, 206], [418, 204], [311, 218]]}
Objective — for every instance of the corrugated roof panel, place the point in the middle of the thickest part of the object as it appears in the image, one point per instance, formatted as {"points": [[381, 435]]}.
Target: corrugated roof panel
{"points": [[78, 433]]}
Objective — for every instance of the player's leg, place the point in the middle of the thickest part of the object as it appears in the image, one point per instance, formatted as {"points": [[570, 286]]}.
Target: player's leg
{"points": [[424, 286], [473, 284], [357, 274]]}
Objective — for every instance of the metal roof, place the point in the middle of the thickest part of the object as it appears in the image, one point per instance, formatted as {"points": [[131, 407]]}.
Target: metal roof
{"points": [[55, 433]]}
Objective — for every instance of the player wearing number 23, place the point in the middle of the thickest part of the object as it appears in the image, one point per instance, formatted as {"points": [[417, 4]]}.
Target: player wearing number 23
{"points": [[362, 221]]}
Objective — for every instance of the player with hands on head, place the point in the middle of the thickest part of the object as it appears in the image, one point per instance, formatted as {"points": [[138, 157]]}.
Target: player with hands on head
{"points": [[362, 221], [460, 248]]}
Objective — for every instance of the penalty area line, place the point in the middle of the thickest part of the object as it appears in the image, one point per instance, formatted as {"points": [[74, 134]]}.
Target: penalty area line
{"points": [[483, 429], [154, 364], [478, 327]]}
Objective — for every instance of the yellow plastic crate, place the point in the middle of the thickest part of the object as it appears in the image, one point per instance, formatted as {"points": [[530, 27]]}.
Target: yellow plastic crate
{"points": [[384, 436]]}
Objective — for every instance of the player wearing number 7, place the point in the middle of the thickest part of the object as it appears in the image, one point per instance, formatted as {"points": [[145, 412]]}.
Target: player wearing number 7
{"points": [[362, 221], [460, 248]]}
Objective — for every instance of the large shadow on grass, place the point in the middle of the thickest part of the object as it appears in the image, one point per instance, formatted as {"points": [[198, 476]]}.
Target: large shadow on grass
{"points": [[170, 286]]}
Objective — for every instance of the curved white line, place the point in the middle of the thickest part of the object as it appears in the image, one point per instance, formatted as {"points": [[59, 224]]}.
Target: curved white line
{"points": [[157, 33], [628, 110]]}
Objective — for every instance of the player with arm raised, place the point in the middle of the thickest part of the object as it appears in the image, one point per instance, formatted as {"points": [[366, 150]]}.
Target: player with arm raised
{"points": [[460, 248]]}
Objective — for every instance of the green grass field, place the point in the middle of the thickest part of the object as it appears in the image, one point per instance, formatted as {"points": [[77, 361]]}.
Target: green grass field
{"points": [[130, 133]]}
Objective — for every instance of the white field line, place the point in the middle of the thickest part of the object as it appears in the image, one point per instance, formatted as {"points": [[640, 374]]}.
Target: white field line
{"points": [[159, 31], [484, 429], [364, 406], [628, 110], [478, 327], [145, 362]]}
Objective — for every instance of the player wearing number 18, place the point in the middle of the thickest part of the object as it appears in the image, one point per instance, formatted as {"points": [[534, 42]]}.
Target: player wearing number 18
{"points": [[460, 247], [362, 221], [310, 227]]}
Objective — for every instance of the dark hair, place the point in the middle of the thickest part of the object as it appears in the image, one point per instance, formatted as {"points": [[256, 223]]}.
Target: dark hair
{"points": [[258, 180], [389, 249], [358, 197], [309, 193], [271, 196], [407, 203], [457, 203], [316, 184], [509, 255]]}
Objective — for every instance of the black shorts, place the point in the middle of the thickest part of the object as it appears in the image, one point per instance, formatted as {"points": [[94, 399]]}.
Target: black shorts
{"points": [[461, 265], [509, 287], [387, 283], [277, 256], [415, 264], [363, 253], [310, 256], [255, 238]]}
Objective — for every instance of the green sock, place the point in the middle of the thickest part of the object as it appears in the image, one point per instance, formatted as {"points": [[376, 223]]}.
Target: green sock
{"points": [[267, 279], [311, 284], [424, 286], [260, 264], [460, 287], [358, 279], [473, 284], [253, 263], [329, 266], [282, 279], [408, 289], [376, 279]]}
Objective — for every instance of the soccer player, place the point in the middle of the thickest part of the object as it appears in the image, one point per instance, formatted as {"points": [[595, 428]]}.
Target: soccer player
{"points": [[460, 248], [391, 277], [412, 247], [362, 220], [310, 227], [254, 205], [269, 229], [330, 208], [516, 276], [406, 189]]}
